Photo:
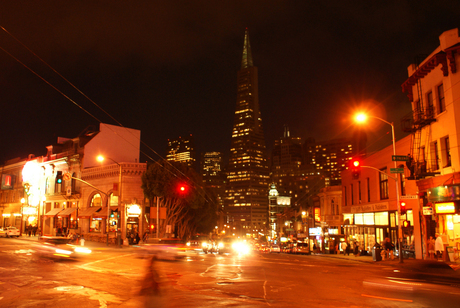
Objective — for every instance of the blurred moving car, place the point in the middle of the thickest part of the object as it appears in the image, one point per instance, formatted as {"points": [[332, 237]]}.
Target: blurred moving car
{"points": [[164, 248], [58, 247], [9, 232], [200, 243], [225, 245]]}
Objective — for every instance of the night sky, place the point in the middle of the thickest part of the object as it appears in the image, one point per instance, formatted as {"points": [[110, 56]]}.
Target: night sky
{"points": [[169, 68]]}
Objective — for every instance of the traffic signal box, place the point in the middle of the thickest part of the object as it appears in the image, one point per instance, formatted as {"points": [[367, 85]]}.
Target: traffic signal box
{"points": [[355, 168], [58, 177], [403, 208]]}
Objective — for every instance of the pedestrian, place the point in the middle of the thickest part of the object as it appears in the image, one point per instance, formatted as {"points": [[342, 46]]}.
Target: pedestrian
{"points": [[389, 247], [29, 230], [356, 249], [314, 248], [34, 230], [343, 245], [430, 248], [145, 236], [138, 238], [348, 248], [438, 246]]}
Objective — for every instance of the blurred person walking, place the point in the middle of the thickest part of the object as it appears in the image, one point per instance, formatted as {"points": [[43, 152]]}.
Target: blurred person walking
{"points": [[439, 247]]}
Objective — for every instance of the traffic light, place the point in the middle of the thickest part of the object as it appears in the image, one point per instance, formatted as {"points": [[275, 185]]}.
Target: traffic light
{"points": [[58, 177], [355, 168], [182, 188], [406, 223], [403, 208], [152, 228]]}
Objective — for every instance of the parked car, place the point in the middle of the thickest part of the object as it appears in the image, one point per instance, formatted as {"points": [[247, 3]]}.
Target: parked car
{"points": [[9, 232], [164, 248], [275, 248], [58, 247], [302, 248]]}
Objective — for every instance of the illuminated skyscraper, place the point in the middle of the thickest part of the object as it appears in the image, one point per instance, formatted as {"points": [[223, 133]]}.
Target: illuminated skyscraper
{"points": [[246, 200], [182, 150]]}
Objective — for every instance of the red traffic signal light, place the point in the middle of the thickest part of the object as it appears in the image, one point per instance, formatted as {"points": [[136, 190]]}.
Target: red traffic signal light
{"points": [[403, 208], [152, 227], [355, 168], [182, 189]]}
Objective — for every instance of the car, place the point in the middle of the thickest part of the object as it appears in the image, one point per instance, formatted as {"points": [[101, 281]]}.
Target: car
{"points": [[164, 248], [9, 232], [275, 248], [302, 248], [225, 245], [200, 243], [58, 247]]}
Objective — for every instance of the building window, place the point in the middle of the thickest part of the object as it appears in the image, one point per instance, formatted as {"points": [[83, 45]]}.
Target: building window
{"points": [[383, 181], [368, 190], [441, 99], [359, 192], [429, 104], [445, 150], [434, 156], [352, 195], [402, 181], [345, 195]]}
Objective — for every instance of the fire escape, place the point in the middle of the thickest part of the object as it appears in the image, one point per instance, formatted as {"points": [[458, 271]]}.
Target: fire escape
{"points": [[420, 164]]}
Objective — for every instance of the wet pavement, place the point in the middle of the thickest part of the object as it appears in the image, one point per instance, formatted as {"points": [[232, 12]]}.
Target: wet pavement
{"points": [[407, 263]]}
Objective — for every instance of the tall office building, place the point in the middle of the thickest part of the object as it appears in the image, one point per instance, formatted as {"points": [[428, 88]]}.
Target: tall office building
{"points": [[246, 200], [182, 150], [287, 171], [213, 175], [328, 158]]}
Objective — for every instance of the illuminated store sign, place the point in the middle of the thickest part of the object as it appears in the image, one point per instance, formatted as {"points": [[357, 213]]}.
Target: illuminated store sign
{"points": [[444, 208], [133, 210]]}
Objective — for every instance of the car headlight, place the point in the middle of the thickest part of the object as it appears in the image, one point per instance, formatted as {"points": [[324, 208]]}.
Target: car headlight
{"points": [[221, 245], [188, 244], [82, 250], [204, 244]]}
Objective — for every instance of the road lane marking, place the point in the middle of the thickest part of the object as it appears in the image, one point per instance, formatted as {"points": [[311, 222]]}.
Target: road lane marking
{"points": [[388, 298]]}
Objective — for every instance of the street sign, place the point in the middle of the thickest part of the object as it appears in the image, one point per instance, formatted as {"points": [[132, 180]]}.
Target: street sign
{"points": [[427, 210], [399, 158], [408, 197], [396, 170], [67, 176]]}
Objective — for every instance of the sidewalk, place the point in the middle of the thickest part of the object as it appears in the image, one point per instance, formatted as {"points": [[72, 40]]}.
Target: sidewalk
{"points": [[407, 263]]}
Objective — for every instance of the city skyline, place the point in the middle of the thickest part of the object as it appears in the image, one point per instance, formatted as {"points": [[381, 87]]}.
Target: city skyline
{"points": [[168, 70]]}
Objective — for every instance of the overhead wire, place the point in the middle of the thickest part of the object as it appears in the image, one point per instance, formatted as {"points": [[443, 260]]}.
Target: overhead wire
{"points": [[94, 103]]}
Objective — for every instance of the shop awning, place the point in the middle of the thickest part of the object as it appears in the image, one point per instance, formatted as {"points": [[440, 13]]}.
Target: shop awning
{"points": [[89, 211], [101, 214], [53, 212], [67, 212]]}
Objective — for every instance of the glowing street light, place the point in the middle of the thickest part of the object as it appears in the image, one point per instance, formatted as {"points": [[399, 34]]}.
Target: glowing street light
{"points": [[360, 118]]}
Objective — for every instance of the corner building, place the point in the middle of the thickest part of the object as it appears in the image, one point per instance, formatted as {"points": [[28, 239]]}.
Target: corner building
{"points": [[246, 195]]}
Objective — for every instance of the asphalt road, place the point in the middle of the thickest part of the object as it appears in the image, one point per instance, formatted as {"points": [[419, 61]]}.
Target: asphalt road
{"points": [[112, 277]]}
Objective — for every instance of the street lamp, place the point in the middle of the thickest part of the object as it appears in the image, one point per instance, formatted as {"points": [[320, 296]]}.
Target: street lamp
{"points": [[360, 118], [101, 159]]}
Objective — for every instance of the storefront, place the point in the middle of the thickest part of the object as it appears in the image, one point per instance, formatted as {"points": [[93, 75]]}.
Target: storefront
{"points": [[50, 227], [94, 223], [133, 214], [372, 223], [444, 205], [67, 218]]}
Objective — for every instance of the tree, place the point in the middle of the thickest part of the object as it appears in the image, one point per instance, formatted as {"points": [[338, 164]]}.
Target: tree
{"points": [[189, 211]]}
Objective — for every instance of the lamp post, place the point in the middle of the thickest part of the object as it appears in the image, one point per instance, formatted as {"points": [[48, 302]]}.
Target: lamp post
{"points": [[361, 117], [101, 159]]}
